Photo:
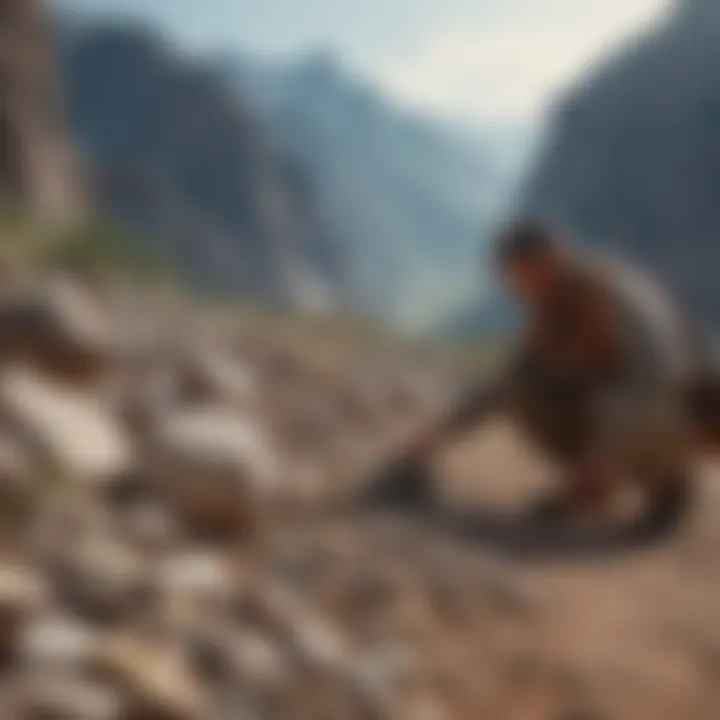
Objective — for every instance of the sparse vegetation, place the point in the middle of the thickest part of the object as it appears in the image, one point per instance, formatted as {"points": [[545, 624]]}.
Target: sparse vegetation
{"points": [[102, 248], [97, 247]]}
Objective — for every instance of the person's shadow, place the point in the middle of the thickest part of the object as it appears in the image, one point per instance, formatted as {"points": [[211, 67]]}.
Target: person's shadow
{"points": [[404, 489]]}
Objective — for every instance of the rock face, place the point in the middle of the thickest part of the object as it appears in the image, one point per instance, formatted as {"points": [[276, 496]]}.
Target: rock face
{"points": [[184, 163], [634, 158], [36, 164]]}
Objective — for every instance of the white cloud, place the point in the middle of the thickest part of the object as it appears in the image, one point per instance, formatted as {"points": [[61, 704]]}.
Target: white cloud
{"points": [[510, 66]]}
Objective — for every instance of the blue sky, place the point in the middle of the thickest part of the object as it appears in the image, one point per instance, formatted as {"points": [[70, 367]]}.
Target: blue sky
{"points": [[491, 60]]}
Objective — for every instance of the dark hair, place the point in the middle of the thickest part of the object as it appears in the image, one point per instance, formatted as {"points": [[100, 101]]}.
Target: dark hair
{"points": [[526, 239]]}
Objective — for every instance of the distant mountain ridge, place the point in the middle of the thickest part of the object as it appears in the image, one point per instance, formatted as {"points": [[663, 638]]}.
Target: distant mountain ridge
{"points": [[295, 184], [177, 157], [412, 199], [634, 159]]}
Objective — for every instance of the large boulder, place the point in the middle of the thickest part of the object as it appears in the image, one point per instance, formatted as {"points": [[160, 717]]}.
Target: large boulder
{"points": [[57, 327], [216, 469], [70, 432]]}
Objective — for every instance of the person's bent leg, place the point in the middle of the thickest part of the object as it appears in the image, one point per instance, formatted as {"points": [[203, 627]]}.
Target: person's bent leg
{"points": [[660, 458], [562, 431]]}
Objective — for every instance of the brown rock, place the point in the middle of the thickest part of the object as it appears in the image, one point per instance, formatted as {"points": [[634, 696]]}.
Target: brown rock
{"points": [[61, 698], [23, 594], [15, 472], [214, 468], [56, 326], [154, 680], [196, 586], [102, 580]]}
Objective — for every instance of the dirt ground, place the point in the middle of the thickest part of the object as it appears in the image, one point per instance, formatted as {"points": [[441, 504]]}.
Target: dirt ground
{"points": [[629, 634]]}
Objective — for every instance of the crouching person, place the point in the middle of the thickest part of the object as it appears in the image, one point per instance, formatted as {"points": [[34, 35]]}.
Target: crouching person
{"points": [[598, 380]]}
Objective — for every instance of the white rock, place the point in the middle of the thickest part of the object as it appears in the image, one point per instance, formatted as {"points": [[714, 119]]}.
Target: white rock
{"points": [[55, 642], [196, 584], [215, 468], [70, 429]]}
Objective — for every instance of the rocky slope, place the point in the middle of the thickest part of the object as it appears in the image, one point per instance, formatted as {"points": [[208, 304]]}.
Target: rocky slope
{"points": [[37, 172], [186, 165], [177, 542], [634, 159]]}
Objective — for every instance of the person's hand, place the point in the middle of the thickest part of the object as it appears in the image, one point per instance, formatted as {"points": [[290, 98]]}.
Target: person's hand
{"points": [[585, 492], [404, 481], [589, 485], [422, 444]]}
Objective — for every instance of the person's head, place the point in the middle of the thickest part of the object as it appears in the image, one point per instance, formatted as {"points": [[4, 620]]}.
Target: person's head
{"points": [[529, 256]]}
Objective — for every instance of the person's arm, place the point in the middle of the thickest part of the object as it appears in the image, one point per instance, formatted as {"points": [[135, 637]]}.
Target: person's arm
{"points": [[475, 406]]}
